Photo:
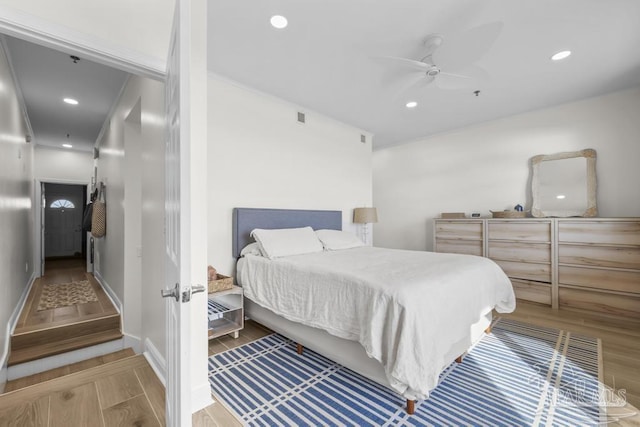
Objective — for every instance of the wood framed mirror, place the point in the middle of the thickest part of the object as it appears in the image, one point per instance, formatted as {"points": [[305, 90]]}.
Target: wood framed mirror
{"points": [[564, 184]]}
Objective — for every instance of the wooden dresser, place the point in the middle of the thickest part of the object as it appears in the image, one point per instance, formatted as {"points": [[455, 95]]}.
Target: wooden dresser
{"points": [[581, 263]]}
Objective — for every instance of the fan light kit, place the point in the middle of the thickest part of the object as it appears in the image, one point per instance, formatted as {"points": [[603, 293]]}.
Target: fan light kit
{"points": [[412, 104], [70, 101], [279, 21], [561, 55]]}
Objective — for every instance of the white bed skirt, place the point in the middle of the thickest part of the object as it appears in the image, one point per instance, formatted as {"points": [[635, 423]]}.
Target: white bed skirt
{"points": [[348, 353]]}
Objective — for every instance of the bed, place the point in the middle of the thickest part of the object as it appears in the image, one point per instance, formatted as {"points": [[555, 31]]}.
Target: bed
{"points": [[370, 309]]}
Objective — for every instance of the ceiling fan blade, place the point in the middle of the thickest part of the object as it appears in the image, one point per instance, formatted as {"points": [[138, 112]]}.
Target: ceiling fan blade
{"points": [[459, 52], [442, 73], [432, 43], [449, 82], [414, 85], [471, 77], [416, 65]]}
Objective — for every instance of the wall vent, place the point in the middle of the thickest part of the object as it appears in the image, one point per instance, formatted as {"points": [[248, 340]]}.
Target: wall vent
{"points": [[301, 117], [363, 139]]}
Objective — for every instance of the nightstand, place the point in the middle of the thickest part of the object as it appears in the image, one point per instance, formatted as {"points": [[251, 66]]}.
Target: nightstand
{"points": [[225, 312]]}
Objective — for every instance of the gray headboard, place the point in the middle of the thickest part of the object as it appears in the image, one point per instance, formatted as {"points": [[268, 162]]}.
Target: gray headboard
{"points": [[246, 219]]}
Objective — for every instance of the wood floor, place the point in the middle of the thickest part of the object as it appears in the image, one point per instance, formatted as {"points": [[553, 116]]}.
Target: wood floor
{"points": [[620, 345], [53, 331], [124, 390]]}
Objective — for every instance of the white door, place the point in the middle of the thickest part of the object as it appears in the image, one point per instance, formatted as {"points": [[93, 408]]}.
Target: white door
{"points": [[177, 211]]}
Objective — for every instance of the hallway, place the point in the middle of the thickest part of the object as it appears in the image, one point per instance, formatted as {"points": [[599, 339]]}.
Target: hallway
{"points": [[56, 319]]}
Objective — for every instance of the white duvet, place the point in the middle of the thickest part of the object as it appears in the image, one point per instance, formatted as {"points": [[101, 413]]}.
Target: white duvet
{"points": [[406, 308]]}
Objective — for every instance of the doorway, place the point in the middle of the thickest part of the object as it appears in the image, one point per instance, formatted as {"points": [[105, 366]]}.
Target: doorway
{"points": [[63, 209]]}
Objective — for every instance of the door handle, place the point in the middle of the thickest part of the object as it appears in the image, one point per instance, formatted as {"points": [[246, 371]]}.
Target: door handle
{"points": [[175, 292], [186, 295]]}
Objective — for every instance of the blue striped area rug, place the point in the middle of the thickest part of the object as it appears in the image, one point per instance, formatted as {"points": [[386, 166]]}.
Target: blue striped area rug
{"points": [[519, 375]]}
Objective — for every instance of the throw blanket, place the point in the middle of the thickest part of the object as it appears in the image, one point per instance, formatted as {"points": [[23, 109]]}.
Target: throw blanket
{"points": [[406, 308]]}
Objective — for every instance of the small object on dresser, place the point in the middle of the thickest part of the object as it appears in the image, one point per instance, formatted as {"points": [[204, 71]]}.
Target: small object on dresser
{"points": [[508, 214], [452, 215], [212, 273], [220, 283], [518, 208], [475, 215]]}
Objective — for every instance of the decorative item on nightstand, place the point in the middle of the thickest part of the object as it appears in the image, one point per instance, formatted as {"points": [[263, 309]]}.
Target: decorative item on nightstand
{"points": [[365, 216]]}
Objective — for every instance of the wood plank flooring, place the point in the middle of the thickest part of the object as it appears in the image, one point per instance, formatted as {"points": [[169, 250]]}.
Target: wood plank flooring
{"points": [[620, 344], [48, 332], [127, 391], [119, 393]]}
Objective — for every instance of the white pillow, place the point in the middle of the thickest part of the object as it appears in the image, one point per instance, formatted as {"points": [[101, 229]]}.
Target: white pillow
{"points": [[251, 249], [333, 240], [287, 241]]}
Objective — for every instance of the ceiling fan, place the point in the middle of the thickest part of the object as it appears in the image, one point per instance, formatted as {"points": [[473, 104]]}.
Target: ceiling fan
{"points": [[450, 63]]}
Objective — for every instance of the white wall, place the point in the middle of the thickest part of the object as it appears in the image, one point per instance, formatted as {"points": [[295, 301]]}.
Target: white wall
{"points": [[135, 199], [260, 156], [486, 167], [16, 202], [141, 26], [59, 165]]}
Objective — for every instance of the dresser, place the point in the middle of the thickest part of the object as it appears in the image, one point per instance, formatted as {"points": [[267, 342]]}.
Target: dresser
{"points": [[570, 263]]}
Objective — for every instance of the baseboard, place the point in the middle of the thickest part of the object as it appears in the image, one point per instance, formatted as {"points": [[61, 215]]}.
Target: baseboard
{"points": [[52, 362], [11, 326], [201, 397], [107, 289], [155, 359], [134, 342]]}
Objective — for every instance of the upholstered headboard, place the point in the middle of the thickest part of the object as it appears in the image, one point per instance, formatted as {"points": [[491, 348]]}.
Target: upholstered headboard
{"points": [[246, 219]]}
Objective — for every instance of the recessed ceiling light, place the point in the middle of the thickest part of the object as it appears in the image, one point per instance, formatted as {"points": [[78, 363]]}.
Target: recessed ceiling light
{"points": [[412, 104], [70, 101], [561, 55], [279, 21], [67, 145], [560, 196]]}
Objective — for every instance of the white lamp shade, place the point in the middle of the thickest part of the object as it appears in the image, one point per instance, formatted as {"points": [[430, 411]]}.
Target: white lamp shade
{"points": [[365, 215]]}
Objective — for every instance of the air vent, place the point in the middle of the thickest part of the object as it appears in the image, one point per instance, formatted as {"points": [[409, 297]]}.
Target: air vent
{"points": [[301, 117], [363, 139]]}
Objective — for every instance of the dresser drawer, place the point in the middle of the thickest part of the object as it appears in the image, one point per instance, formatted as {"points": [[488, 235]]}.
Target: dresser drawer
{"points": [[532, 291], [612, 233], [618, 305], [613, 280], [520, 230], [459, 230], [515, 251], [469, 247], [526, 271], [600, 256]]}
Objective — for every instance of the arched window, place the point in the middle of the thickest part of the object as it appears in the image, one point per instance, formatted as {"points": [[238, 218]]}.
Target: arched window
{"points": [[62, 203]]}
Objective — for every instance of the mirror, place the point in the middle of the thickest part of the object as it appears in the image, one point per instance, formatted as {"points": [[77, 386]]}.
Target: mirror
{"points": [[564, 184]]}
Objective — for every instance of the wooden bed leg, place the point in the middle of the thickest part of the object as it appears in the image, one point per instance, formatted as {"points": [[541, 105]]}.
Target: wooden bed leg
{"points": [[411, 407], [459, 359], [299, 349], [488, 330]]}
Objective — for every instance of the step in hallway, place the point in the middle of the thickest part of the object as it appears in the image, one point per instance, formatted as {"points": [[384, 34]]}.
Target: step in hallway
{"points": [[119, 388], [66, 310]]}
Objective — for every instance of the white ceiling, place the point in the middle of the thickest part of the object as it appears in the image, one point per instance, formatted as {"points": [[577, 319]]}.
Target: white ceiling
{"points": [[328, 58], [46, 76]]}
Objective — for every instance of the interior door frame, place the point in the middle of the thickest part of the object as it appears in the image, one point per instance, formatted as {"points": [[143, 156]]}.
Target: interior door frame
{"points": [[38, 223], [45, 33]]}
